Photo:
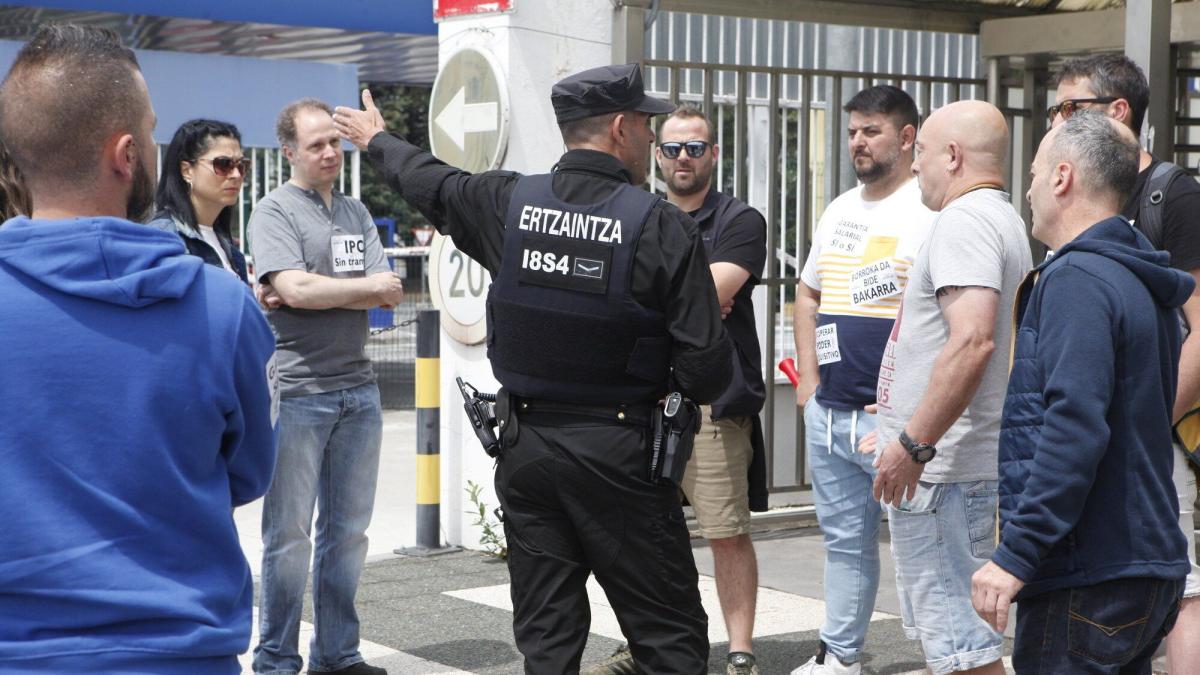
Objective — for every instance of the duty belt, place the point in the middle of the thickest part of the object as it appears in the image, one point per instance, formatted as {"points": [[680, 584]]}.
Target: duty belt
{"points": [[634, 415]]}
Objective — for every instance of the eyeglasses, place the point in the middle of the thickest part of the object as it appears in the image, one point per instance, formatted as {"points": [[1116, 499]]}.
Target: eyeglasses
{"points": [[1069, 106], [695, 149], [224, 166]]}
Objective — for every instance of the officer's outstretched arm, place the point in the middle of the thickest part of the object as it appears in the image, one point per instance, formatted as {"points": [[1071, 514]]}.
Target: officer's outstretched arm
{"points": [[468, 208]]}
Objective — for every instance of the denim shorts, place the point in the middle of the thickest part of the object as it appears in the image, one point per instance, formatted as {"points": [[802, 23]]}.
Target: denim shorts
{"points": [[939, 538], [1185, 487]]}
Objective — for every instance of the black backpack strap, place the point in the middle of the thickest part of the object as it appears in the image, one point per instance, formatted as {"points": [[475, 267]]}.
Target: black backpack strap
{"points": [[1150, 211]]}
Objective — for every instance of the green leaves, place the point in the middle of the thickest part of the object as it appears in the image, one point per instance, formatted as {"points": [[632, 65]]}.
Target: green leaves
{"points": [[492, 539]]}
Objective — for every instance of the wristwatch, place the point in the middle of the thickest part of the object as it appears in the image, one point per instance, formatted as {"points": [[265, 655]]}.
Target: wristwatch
{"points": [[921, 453]]}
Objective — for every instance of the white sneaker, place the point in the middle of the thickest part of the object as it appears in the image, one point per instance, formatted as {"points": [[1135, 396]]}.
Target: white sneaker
{"points": [[827, 664]]}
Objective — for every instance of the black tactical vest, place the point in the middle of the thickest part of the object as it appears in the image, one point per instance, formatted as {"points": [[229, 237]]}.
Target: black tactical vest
{"points": [[562, 322]]}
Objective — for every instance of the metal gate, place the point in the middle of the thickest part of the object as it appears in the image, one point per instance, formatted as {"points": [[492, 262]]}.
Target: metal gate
{"points": [[781, 131]]}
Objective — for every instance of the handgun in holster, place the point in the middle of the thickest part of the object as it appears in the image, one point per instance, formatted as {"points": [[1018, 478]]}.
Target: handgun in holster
{"points": [[674, 423], [481, 411]]}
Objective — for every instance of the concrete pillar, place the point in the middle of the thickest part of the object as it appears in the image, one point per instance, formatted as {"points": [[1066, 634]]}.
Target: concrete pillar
{"points": [[993, 83], [629, 31], [843, 45], [1029, 132], [536, 45], [1148, 43]]}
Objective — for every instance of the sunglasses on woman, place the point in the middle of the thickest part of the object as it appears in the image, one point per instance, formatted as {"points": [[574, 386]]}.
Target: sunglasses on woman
{"points": [[695, 149], [224, 166]]}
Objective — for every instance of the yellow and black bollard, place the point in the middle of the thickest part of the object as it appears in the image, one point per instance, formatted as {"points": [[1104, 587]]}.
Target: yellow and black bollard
{"points": [[429, 457], [428, 399]]}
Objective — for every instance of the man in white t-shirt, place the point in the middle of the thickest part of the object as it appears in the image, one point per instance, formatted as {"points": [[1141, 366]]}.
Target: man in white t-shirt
{"points": [[942, 385], [846, 303]]}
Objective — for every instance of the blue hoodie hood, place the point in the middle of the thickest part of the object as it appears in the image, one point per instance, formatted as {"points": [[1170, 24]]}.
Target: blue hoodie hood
{"points": [[105, 259], [1115, 239]]}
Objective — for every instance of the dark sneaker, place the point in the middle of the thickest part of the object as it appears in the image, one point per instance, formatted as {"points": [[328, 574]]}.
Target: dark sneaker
{"points": [[740, 663], [620, 663], [360, 668]]}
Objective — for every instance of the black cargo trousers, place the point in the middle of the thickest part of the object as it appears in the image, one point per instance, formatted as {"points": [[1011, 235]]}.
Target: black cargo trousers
{"points": [[577, 500]]}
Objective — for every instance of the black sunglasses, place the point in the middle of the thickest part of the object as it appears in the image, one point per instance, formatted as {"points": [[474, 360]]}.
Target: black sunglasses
{"points": [[695, 149], [223, 166], [1069, 106]]}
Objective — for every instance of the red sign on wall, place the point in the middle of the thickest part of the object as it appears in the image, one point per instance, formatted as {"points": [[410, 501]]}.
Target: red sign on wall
{"points": [[444, 9]]}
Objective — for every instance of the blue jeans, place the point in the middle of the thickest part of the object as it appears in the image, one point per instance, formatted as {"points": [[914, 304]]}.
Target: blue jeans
{"points": [[939, 539], [849, 518], [328, 456], [1111, 627]]}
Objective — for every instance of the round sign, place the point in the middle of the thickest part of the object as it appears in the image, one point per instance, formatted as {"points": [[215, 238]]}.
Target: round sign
{"points": [[458, 286], [468, 111]]}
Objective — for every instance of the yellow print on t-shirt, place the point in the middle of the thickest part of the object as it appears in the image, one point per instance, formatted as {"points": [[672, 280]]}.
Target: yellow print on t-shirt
{"points": [[870, 284]]}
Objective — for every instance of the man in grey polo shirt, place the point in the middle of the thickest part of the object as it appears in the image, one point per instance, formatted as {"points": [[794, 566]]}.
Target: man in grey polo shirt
{"points": [[318, 253]]}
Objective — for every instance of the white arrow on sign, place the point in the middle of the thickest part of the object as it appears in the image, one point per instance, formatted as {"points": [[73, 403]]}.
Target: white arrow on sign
{"points": [[460, 118]]}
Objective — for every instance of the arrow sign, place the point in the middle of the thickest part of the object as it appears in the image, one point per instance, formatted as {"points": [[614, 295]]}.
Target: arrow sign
{"points": [[460, 118]]}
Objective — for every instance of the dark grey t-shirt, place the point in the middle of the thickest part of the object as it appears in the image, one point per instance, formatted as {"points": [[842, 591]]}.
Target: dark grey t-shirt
{"points": [[291, 229]]}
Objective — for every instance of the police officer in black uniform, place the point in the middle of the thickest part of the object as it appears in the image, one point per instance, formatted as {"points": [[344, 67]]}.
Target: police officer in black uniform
{"points": [[601, 295]]}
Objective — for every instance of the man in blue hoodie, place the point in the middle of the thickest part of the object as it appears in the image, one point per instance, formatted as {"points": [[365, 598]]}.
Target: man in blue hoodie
{"points": [[1089, 544], [137, 395]]}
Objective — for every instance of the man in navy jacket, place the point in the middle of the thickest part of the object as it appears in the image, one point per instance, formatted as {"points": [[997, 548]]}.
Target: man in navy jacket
{"points": [[1089, 543]]}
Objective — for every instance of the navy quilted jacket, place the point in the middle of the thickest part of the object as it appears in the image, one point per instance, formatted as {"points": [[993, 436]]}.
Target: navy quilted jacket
{"points": [[1085, 443]]}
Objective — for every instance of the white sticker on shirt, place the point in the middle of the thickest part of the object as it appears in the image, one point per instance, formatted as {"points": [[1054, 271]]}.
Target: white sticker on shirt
{"points": [[349, 253], [873, 282], [273, 388], [848, 237], [827, 344]]}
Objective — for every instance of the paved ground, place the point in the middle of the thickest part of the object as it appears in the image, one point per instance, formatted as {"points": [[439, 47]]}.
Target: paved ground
{"points": [[452, 613]]}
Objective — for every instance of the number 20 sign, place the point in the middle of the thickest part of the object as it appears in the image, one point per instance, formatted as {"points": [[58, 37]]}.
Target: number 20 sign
{"points": [[459, 286]]}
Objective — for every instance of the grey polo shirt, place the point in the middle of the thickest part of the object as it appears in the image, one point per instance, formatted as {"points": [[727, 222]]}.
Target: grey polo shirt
{"points": [[291, 229]]}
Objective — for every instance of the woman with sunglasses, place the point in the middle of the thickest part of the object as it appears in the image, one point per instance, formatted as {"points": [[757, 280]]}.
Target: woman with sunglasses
{"points": [[202, 176]]}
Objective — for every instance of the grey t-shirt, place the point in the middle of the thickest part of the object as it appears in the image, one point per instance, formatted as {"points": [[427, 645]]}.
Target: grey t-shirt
{"points": [[978, 240], [291, 229]]}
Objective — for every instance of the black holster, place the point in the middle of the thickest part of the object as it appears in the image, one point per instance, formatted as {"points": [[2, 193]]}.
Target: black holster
{"points": [[481, 413], [674, 426]]}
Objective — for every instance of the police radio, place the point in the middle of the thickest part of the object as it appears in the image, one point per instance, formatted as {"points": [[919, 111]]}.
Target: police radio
{"points": [[481, 411]]}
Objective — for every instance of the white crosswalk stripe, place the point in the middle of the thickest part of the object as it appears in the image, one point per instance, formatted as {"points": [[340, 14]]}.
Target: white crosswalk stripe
{"points": [[777, 612], [410, 665]]}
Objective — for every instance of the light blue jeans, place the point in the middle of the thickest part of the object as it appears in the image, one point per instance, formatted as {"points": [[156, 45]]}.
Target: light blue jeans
{"points": [[849, 518], [939, 539], [328, 457]]}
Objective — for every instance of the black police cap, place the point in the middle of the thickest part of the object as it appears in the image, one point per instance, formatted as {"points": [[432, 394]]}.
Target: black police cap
{"points": [[602, 90]]}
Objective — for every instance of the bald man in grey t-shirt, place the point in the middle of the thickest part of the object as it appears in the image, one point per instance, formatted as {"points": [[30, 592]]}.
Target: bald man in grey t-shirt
{"points": [[942, 383]]}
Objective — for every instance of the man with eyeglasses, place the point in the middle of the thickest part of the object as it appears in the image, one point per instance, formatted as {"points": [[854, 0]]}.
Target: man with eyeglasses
{"points": [[319, 254], [726, 477], [1116, 85], [846, 302]]}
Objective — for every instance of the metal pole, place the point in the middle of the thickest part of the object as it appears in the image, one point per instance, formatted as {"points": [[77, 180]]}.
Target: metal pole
{"points": [[428, 397], [1148, 43]]}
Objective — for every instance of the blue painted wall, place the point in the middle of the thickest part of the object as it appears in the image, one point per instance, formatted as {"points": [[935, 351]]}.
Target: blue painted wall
{"points": [[246, 91], [387, 16]]}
